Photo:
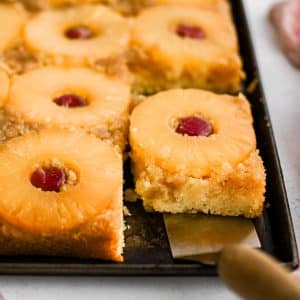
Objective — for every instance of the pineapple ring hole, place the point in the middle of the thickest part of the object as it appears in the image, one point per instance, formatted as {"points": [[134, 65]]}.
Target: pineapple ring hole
{"points": [[190, 31], [70, 100], [79, 32], [53, 177], [194, 126]]}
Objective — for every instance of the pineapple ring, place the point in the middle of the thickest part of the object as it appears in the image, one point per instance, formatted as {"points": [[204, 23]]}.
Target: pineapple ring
{"points": [[159, 39], [12, 20], [153, 135], [4, 86], [45, 34], [32, 97], [97, 164]]}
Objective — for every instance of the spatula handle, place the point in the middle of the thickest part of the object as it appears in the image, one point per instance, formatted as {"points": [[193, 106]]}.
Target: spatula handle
{"points": [[256, 276]]}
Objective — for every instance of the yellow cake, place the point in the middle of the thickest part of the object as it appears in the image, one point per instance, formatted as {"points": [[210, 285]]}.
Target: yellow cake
{"points": [[67, 200], [71, 98], [184, 46], [179, 169]]}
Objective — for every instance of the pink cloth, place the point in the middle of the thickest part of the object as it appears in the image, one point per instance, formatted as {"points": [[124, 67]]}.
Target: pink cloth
{"points": [[297, 274], [285, 16]]}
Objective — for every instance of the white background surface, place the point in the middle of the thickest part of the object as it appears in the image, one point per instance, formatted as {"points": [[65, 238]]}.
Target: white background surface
{"points": [[281, 83]]}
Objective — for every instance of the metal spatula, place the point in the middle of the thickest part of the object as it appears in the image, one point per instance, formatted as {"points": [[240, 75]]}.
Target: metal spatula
{"points": [[200, 237]]}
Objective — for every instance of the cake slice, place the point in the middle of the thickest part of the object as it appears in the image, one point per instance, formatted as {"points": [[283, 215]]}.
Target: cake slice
{"points": [[184, 46], [72, 98], [195, 151], [78, 35], [67, 200]]}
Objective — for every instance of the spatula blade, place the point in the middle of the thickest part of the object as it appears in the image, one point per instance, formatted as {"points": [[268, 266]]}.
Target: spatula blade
{"points": [[200, 237]]}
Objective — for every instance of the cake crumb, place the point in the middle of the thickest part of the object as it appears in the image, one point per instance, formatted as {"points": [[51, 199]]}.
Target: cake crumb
{"points": [[126, 211], [130, 195], [252, 86], [136, 100]]}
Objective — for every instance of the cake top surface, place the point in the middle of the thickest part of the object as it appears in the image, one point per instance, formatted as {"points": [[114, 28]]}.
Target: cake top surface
{"points": [[155, 137]]}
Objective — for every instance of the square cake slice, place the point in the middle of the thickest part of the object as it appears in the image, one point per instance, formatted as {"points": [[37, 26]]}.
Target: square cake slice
{"points": [[61, 195], [184, 46], [195, 151], [79, 35], [71, 98]]}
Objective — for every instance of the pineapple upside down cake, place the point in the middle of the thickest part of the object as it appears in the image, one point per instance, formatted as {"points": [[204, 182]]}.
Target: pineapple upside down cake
{"points": [[69, 72], [198, 154], [184, 46], [71, 98], [87, 35], [77, 35], [68, 200]]}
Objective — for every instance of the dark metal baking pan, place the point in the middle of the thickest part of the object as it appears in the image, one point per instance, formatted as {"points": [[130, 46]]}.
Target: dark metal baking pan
{"points": [[147, 249]]}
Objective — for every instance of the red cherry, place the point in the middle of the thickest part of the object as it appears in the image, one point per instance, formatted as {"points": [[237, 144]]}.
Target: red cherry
{"points": [[70, 100], [79, 32], [48, 179], [193, 32], [194, 126]]}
